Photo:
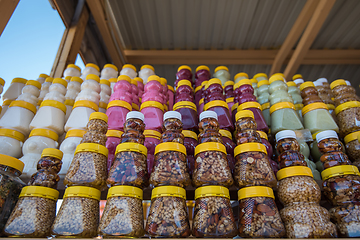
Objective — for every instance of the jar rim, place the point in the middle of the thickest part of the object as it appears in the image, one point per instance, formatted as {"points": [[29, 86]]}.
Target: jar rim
{"points": [[255, 191]]}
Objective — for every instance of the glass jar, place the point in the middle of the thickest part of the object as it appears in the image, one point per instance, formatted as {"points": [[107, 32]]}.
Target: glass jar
{"points": [[189, 115], [209, 128], [240, 76], [184, 87], [352, 146], [129, 167], [301, 195], [222, 72], [116, 112], [258, 216], [262, 87], [190, 143], [317, 118], [260, 76], [284, 117], [133, 128], [78, 216], [340, 88], [222, 110], [252, 167], [213, 91], [308, 89], [243, 86], [202, 74], [213, 215], [88, 167], [288, 149], [211, 165], [259, 118], [152, 139], [348, 115], [170, 167], [168, 216], [153, 115], [230, 146], [184, 72], [229, 89], [113, 139], [34, 213], [123, 213], [172, 128], [246, 128], [96, 129]]}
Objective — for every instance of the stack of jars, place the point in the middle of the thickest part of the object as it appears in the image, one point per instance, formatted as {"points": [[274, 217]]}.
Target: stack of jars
{"points": [[202, 75], [259, 216]]}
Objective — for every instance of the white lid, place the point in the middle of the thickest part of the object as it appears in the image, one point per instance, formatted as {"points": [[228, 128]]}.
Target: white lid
{"points": [[172, 114], [135, 114], [326, 134], [348, 83], [322, 80], [208, 114], [299, 80], [285, 134], [316, 83]]}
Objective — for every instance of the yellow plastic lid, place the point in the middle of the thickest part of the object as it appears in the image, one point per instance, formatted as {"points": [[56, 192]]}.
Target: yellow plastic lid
{"points": [[125, 191], [69, 102], [168, 191], [124, 78], [189, 134], [221, 68], [136, 107], [113, 80], [344, 106], [276, 77], [265, 106], [73, 66], [52, 152], [306, 85], [229, 100], [93, 66], [244, 114], [19, 80], [184, 67], [11, 162], [263, 82], [34, 83], [43, 75], [130, 66], [336, 83], [85, 103], [330, 106], [348, 138], [281, 105], [339, 170], [204, 83], [314, 135], [242, 82], [152, 134], [256, 191], [248, 105], [119, 103], [7, 102], [76, 79], [213, 81], [114, 133], [202, 67], [103, 105], [313, 106], [210, 146], [113, 67], [23, 104], [49, 79], [39, 191], [216, 103], [241, 74], [197, 88], [98, 115], [260, 75], [133, 82], [75, 133], [170, 146], [92, 147], [249, 147], [262, 135], [298, 106], [152, 104], [147, 66], [44, 133], [291, 84], [153, 78], [235, 106], [82, 191], [253, 80], [185, 83], [229, 83], [93, 77], [60, 81], [163, 81], [2, 82], [170, 88], [297, 76], [107, 82], [67, 78], [131, 147], [12, 134], [212, 191], [225, 133], [201, 101], [53, 103], [294, 171]]}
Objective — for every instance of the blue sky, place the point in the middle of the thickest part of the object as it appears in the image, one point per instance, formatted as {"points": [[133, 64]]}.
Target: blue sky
{"points": [[29, 43]]}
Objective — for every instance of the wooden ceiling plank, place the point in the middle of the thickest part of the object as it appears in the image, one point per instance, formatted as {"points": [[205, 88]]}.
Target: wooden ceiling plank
{"points": [[7, 7], [294, 34], [322, 11]]}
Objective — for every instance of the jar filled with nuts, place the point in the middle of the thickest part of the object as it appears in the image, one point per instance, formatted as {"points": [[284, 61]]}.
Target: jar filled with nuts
{"points": [[222, 111], [78, 216], [133, 128], [246, 127], [255, 107], [189, 115], [123, 213], [96, 129], [167, 215], [170, 167], [209, 128], [339, 88], [129, 167], [348, 115], [213, 215], [113, 139], [34, 213], [252, 167], [316, 118], [172, 128], [211, 165], [88, 167], [332, 150], [301, 195], [230, 146], [258, 216], [152, 139], [308, 90], [190, 143], [342, 188]]}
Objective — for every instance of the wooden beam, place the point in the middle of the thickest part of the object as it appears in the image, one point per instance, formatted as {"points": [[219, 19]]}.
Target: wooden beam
{"points": [[294, 34], [7, 7], [243, 57], [310, 33], [115, 51]]}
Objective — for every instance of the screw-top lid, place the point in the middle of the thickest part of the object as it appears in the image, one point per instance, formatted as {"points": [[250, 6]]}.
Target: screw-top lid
{"points": [[250, 147], [60, 81], [244, 114], [44, 133], [139, 79], [325, 135], [98, 115], [88, 104], [135, 114], [262, 134], [276, 77], [189, 134], [348, 83], [67, 78], [113, 67], [348, 138], [314, 106], [184, 67], [2, 82], [225, 133], [152, 104], [316, 84], [11, 162], [241, 74], [337, 82], [39, 191], [210, 146], [208, 114], [154, 78], [76, 79], [12, 134], [43, 75], [255, 191], [75, 133], [73, 66], [34, 83], [248, 105], [152, 133], [306, 85], [7, 102], [196, 89], [170, 146], [202, 67], [113, 80], [163, 81], [260, 75], [254, 80], [93, 77], [291, 84], [201, 101], [168, 191], [281, 105], [134, 82], [93, 66], [322, 80], [125, 191], [131, 147], [263, 82], [184, 82], [19, 80], [92, 147], [82, 191], [285, 134], [106, 82], [125, 78], [52, 152], [298, 81], [114, 133], [229, 83], [297, 76], [170, 88], [293, 171], [212, 191], [49, 79], [204, 83], [221, 68], [213, 81], [338, 171], [172, 114], [230, 100], [147, 66], [130, 66], [216, 103]]}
